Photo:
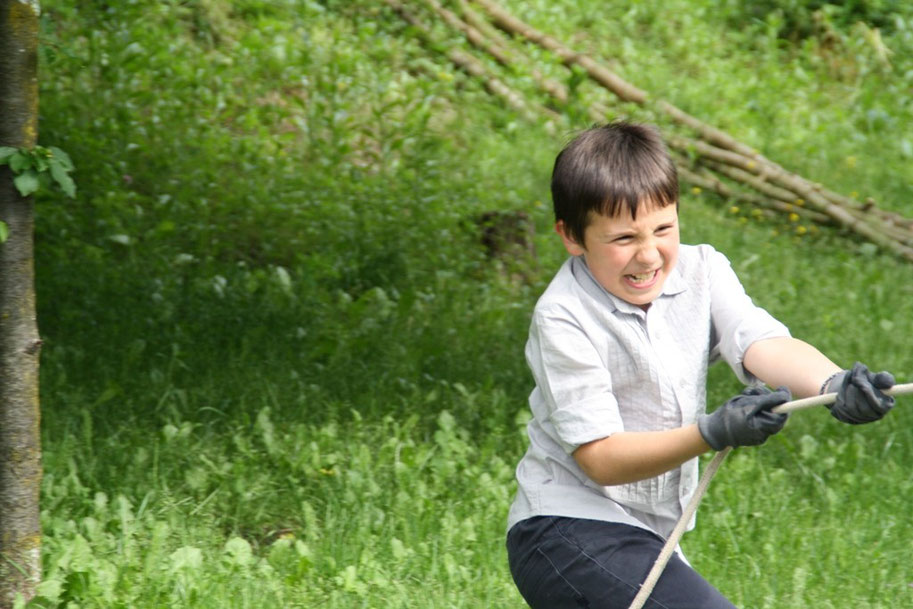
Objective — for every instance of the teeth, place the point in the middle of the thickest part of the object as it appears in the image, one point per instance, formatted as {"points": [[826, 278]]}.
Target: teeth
{"points": [[641, 277]]}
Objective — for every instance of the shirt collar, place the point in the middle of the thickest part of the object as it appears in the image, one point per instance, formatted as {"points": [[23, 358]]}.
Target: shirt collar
{"points": [[675, 284]]}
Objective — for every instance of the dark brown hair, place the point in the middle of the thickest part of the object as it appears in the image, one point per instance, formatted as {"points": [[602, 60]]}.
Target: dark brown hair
{"points": [[608, 169]]}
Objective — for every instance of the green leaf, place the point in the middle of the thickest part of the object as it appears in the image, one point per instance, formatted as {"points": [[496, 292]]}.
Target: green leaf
{"points": [[63, 179], [39, 162], [5, 153], [50, 589], [27, 182], [4, 231], [186, 558], [62, 157], [20, 161], [238, 551]]}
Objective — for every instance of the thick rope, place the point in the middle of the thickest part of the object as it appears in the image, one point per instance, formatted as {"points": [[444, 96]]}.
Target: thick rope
{"points": [[666, 553]]}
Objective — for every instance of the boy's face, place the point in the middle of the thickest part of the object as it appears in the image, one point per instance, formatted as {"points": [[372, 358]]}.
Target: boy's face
{"points": [[630, 258]]}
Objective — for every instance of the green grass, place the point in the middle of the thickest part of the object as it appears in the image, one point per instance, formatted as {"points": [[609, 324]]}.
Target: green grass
{"points": [[280, 370]]}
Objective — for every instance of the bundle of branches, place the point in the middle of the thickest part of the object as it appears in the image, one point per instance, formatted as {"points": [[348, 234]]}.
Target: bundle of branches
{"points": [[706, 156]]}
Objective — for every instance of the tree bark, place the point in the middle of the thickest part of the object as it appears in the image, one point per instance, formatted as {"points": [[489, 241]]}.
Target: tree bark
{"points": [[20, 443]]}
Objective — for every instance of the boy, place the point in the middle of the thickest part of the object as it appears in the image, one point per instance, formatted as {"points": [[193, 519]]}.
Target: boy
{"points": [[619, 346]]}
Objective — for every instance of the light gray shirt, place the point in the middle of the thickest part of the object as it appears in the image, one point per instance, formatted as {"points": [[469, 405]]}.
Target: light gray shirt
{"points": [[603, 365]]}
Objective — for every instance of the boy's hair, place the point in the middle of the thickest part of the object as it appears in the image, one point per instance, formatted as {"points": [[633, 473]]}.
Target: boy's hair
{"points": [[610, 168]]}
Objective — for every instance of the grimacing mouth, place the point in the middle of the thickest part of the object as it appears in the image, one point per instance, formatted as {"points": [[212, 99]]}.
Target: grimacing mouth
{"points": [[642, 277]]}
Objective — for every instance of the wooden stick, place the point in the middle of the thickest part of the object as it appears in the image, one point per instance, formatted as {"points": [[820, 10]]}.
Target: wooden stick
{"points": [[669, 548], [672, 542], [828, 398]]}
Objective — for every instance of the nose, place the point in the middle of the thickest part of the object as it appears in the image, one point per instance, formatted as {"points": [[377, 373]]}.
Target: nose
{"points": [[648, 253]]}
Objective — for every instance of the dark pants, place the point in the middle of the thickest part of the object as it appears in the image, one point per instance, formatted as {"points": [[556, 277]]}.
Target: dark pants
{"points": [[562, 563]]}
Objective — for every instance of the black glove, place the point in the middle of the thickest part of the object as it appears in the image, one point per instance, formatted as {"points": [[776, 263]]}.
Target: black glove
{"points": [[859, 396], [745, 420]]}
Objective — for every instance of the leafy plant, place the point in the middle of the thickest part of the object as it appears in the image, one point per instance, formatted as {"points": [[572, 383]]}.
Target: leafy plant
{"points": [[37, 167]]}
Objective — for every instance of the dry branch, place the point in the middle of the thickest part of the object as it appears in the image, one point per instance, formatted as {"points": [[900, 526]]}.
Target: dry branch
{"points": [[600, 74], [757, 182], [888, 230], [599, 112], [482, 37], [712, 182], [468, 64], [474, 36], [713, 160], [607, 78]]}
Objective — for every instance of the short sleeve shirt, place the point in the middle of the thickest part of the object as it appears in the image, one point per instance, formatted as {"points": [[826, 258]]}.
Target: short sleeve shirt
{"points": [[603, 365]]}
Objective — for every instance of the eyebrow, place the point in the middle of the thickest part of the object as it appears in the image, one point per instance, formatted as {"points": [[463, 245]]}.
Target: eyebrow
{"points": [[625, 233], [631, 231]]}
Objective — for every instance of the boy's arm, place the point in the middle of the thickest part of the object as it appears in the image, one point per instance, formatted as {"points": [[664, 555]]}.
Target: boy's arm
{"points": [[789, 362], [806, 371], [637, 455], [745, 420]]}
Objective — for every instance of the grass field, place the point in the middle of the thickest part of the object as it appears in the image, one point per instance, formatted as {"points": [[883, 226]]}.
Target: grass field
{"points": [[281, 371]]}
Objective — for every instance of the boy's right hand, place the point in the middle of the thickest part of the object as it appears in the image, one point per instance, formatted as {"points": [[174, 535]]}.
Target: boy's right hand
{"points": [[745, 420]]}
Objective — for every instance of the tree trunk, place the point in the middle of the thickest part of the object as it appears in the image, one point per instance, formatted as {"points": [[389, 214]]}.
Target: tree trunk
{"points": [[20, 446]]}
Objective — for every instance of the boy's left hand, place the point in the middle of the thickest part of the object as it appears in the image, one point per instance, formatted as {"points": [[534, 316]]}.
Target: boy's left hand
{"points": [[859, 396]]}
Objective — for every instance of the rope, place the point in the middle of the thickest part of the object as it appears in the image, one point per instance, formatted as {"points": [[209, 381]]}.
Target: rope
{"points": [[666, 553]]}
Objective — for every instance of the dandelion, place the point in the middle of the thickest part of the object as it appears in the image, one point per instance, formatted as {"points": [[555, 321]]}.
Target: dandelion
{"points": [[800, 202], [734, 209], [695, 190], [801, 230], [793, 217]]}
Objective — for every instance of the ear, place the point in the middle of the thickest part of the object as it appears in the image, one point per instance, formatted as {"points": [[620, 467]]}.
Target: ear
{"points": [[570, 244]]}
